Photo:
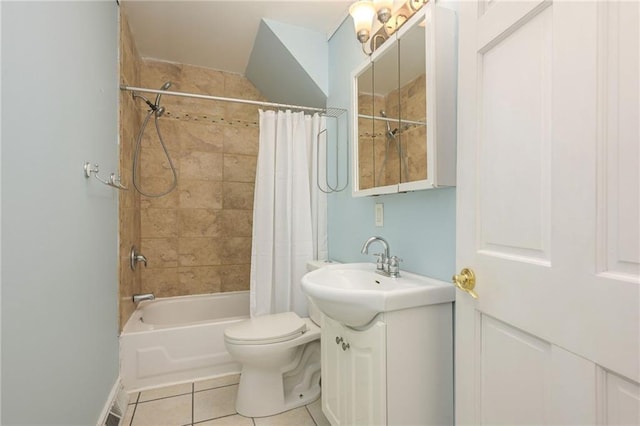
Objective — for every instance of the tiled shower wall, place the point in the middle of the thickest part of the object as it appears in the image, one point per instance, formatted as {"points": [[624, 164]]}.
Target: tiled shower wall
{"points": [[197, 238], [129, 201]]}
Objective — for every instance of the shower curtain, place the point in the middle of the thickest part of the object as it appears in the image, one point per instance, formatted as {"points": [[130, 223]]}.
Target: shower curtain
{"points": [[289, 212]]}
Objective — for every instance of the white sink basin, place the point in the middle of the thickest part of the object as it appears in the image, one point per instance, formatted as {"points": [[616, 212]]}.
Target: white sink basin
{"points": [[353, 293]]}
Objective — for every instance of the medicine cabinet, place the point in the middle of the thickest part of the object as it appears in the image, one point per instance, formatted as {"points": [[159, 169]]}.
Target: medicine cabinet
{"points": [[404, 108]]}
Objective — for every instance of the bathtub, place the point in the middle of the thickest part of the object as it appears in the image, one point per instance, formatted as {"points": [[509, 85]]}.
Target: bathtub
{"points": [[179, 339]]}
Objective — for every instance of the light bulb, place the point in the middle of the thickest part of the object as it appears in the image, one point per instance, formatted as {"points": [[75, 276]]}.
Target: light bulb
{"points": [[362, 13]]}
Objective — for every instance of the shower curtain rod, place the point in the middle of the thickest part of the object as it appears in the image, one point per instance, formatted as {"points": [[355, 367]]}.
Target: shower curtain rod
{"points": [[331, 112]]}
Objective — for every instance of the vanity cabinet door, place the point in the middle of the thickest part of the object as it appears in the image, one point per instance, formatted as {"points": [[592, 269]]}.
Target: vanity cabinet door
{"points": [[354, 386], [366, 388], [332, 363]]}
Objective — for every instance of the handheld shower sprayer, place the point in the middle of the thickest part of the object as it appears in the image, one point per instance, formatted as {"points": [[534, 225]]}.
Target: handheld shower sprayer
{"points": [[156, 110], [155, 107], [160, 110]]}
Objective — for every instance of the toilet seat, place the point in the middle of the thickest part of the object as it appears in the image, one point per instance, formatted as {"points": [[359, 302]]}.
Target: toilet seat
{"points": [[266, 329]]}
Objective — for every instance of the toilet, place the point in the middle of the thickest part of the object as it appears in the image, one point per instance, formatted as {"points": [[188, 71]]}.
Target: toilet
{"points": [[280, 358]]}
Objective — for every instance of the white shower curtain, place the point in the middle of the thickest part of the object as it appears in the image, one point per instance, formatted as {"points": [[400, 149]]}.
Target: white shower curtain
{"points": [[289, 213]]}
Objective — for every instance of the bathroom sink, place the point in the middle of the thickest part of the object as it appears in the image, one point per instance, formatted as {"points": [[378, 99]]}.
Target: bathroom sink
{"points": [[353, 293]]}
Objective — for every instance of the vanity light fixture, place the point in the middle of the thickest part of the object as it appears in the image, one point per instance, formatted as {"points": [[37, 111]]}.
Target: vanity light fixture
{"points": [[363, 12]]}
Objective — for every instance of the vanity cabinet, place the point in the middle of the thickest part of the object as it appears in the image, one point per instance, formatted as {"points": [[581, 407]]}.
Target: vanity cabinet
{"points": [[398, 370], [404, 108], [354, 381]]}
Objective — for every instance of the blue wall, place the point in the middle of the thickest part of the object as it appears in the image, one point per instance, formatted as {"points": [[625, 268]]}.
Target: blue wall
{"points": [[419, 226], [59, 230]]}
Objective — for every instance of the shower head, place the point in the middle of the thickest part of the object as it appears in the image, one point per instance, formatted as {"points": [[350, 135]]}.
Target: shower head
{"points": [[165, 86]]}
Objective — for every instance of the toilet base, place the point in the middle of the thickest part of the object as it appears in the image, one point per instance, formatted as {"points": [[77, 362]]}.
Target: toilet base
{"points": [[265, 392]]}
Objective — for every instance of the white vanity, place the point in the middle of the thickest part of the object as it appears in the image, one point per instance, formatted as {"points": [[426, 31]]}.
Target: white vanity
{"points": [[387, 346]]}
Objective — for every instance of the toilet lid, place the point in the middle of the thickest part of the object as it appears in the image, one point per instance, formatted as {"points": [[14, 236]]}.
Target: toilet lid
{"points": [[267, 329]]}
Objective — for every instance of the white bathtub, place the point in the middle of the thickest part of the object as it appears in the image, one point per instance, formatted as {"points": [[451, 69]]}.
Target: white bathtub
{"points": [[179, 339]]}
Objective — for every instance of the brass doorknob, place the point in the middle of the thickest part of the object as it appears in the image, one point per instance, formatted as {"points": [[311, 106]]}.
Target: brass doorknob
{"points": [[466, 281]]}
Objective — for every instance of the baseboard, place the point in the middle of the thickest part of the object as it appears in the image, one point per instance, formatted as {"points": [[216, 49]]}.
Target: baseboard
{"points": [[116, 406]]}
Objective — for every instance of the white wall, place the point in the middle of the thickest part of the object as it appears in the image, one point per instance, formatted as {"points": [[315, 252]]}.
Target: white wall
{"points": [[59, 230]]}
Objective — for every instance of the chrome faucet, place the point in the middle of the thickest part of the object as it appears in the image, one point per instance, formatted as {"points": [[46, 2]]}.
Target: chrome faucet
{"points": [[135, 257], [137, 298], [382, 262]]}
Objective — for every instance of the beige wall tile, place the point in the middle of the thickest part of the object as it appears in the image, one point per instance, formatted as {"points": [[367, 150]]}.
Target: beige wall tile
{"points": [[235, 250], [238, 195], [236, 223], [201, 166], [240, 168], [241, 139], [236, 277], [201, 137], [157, 223], [200, 222], [200, 279], [199, 251], [162, 282], [160, 252], [158, 185], [200, 194], [202, 80]]}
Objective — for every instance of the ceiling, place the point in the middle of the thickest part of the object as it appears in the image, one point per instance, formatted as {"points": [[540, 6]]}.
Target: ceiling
{"points": [[220, 34]]}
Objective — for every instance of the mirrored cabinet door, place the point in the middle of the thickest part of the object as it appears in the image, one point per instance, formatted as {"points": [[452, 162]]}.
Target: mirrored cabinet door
{"points": [[404, 108], [386, 117], [412, 134]]}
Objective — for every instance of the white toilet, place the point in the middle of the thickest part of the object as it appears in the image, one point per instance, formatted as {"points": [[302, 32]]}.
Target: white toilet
{"points": [[280, 357]]}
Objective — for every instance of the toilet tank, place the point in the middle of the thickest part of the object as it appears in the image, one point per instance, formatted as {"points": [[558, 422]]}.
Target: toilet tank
{"points": [[314, 312]]}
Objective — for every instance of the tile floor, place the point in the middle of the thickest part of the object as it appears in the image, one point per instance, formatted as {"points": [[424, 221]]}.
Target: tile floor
{"points": [[207, 403]]}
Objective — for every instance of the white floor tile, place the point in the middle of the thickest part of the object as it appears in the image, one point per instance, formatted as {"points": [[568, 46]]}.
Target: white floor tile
{"points": [[315, 408], [235, 420], [232, 379], [214, 403], [151, 394], [297, 417], [128, 415], [168, 411]]}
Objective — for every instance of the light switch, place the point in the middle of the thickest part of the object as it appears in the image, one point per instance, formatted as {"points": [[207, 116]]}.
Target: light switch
{"points": [[379, 214]]}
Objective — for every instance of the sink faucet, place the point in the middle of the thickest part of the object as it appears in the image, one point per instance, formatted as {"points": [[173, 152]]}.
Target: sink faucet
{"points": [[382, 264]]}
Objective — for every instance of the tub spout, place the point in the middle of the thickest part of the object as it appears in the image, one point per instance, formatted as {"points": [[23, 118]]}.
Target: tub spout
{"points": [[137, 298]]}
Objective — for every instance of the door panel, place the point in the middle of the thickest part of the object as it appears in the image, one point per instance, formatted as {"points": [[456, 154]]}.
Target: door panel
{"points": [[618, 174], [515, 99], [548, 212], [623, 400], [512, 361]]}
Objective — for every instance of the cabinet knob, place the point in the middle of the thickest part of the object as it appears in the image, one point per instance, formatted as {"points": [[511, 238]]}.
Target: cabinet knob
{"points": [[339, 340], [345, 346]]}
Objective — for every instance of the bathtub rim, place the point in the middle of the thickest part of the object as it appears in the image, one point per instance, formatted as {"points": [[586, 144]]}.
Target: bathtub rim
{"points": [[135, 326]]}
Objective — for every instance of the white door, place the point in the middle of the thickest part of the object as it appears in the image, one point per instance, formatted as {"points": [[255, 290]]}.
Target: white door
{"points": [[548, 213]]}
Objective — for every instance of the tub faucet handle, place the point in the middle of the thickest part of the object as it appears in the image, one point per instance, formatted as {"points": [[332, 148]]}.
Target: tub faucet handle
{"points": [[135, 257]]}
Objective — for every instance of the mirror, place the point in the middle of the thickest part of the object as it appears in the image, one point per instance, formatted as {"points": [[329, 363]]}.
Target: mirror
{"points": [[378, 117], [404, 108], [391, 106]]}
